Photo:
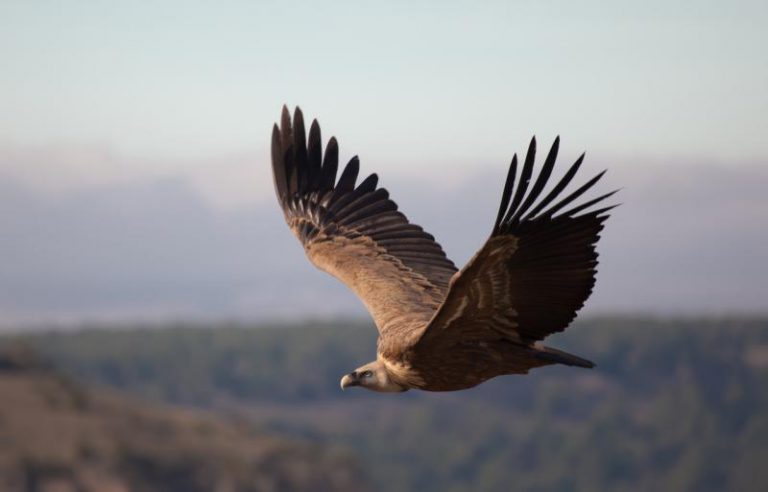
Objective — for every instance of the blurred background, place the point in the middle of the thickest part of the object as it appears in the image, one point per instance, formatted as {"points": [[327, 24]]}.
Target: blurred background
{"points": [[160, 318]]}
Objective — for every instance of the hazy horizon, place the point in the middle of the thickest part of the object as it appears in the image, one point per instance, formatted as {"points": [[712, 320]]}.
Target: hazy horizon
{"points": [[684, 242]]}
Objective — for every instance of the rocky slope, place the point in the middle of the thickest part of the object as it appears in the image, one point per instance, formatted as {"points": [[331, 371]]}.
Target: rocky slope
{"points": [[59, 436]]}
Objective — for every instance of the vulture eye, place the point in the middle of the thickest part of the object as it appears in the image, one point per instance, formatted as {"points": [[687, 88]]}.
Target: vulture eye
{"points": [[366, 374]]}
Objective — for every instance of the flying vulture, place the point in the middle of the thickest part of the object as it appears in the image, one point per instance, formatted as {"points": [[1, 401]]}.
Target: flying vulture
{"points": [[441, 328]]}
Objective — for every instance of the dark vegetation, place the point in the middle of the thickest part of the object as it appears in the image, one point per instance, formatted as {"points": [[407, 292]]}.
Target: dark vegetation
{"points": [[672, 404]]}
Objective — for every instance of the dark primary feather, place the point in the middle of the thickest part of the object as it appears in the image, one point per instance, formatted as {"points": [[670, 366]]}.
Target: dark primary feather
{"points": [[330, 162], [506, 194], [314, 202], [525, 178], [536, 270], [512, 216], [315, 155], [348, 177], [541, 181], [564, 181]]}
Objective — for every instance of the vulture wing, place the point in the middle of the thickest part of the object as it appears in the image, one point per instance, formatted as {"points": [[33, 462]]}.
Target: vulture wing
{"points": [[535, 271], [355, 233]]}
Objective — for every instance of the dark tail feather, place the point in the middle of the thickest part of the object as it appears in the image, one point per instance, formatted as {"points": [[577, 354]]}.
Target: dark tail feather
{"points": [[559, 357]]}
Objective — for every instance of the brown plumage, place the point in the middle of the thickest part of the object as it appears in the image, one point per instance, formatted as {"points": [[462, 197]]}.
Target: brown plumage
{"points": [[441, 329]]}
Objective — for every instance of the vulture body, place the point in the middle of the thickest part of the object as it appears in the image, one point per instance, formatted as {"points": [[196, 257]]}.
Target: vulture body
{"points": [[440, 328]]}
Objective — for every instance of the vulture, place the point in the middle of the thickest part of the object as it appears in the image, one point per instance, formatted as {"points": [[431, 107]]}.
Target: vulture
{"points": [[441, 328]]}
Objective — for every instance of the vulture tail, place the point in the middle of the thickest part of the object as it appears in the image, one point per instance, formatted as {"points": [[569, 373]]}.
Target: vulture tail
{"points": [[559, 357]]}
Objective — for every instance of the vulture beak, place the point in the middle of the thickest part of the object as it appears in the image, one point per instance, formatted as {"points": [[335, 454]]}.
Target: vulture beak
{"points": [[350, 380]]}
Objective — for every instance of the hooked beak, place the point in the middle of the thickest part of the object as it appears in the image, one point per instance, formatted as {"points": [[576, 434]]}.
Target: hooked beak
{"points": [[350, 380]]}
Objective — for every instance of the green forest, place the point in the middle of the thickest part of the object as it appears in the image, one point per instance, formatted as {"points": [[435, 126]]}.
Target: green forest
{"points": [[673, 404]]}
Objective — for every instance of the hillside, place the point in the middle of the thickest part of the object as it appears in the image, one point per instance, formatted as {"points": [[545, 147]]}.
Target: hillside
{"points": [[56, 435], [672, 405]]}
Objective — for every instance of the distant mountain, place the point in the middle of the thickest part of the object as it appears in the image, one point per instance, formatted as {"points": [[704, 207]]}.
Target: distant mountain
{"points": [[686, 240], [57, 435]]}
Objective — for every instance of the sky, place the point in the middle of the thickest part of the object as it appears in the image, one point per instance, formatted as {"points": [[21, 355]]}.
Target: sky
{"points": [[184, 79], [171, 103]]}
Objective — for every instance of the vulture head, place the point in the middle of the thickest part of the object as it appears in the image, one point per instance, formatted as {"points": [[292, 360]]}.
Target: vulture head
{"points": [[372, 376]]}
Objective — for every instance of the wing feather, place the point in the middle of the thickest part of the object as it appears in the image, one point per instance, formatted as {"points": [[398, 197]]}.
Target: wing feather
{"points": [[356, 233], [330, 162], [509, 184], [535, 271], [541, 181], [564, 181], [525, 178], [348, 177]]}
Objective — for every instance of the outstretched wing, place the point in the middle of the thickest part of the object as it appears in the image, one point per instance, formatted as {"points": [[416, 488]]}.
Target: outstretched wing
{"points": [[355, 232], [535, 271]]}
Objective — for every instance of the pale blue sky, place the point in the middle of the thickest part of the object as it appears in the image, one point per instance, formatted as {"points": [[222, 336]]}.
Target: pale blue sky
{"points": [[401, 84]]}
